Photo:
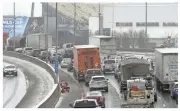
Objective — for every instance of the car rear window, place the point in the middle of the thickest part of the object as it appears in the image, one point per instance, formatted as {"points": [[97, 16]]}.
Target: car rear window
{"points": [[28, 48], [85, 104], [98, 78], [93, 72], [10, 67], [109, 61]]}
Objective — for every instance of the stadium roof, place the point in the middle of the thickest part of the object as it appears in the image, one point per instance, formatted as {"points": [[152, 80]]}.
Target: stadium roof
{"points": [[83, 11]]}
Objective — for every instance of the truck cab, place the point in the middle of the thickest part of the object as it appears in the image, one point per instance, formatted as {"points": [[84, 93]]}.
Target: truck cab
{"points": [[174, 90]]}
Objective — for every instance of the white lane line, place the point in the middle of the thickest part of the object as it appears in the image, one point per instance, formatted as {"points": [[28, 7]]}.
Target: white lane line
{"points": [[159, 97], [60, 101]]}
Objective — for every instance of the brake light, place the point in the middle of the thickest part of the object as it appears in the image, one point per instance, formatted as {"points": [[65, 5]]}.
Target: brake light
{"points": [[100, 99]]}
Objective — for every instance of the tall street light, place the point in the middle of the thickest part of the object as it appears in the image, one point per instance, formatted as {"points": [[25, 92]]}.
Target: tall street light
{"points": [[14, 26]]}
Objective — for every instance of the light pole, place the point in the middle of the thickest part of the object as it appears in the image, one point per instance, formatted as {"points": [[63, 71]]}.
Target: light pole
{"points": [[74, 22], [47, 36], [14, 26]]}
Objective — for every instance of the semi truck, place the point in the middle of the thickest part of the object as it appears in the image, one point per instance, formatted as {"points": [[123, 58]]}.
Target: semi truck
{"points": [[38, 41], [131, 67], [138, 95], [85, 57], [166, 68]]}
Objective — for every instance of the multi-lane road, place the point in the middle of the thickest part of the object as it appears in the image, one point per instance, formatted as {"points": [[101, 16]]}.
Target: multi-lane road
{"points": [[37, 80]]}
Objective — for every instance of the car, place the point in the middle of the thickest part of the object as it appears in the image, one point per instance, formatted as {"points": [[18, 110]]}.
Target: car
{"points": [[43, 55], [19, 50], [84, 103], [174, 90], [65, 62], [98, 95], [70, 66], [91, 72], [36, 52], [98, 83], [28, 51], [9, 48], [108, 65], [10, 70]]}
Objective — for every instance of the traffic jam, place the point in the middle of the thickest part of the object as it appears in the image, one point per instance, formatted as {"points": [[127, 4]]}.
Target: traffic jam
{"points": [[139, 78]]}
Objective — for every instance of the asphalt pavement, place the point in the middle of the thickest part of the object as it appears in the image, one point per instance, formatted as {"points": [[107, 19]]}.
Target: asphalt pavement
{"points": [[14, 89], [39, 84]]}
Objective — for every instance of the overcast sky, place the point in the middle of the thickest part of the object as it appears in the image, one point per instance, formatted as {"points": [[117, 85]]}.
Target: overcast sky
{"points": [[22, 9]]}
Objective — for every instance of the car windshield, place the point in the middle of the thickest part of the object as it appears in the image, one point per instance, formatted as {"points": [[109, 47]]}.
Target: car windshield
{"points": [[28, 48], [85, 104], [67, 59], [98, 79], [109, 61], [94, 72], [8, 67]]}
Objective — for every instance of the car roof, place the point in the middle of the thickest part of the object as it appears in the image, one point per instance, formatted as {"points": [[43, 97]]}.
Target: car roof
{"points": [[97, 76], [85, 100], [9, 65], [94, 93]]}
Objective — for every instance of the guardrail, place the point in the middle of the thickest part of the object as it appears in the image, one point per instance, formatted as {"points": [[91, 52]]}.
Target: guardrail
{"points": [[52, 98]]}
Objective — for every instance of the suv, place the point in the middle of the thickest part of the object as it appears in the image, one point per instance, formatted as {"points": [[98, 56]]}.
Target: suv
{"points": [[108, 65], [98, 82], [84, 103], [28, 50], [98, 95], [91, 72]]}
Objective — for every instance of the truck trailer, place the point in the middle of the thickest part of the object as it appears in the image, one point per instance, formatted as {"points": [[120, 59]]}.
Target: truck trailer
{"points": [[38, 41], [85, 57], [166, 68]]}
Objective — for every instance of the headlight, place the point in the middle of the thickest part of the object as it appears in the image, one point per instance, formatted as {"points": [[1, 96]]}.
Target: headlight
{"points": [[15, 70]]}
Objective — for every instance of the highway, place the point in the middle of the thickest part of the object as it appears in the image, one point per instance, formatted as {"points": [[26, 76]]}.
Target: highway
{"points": [[14, 89], [39, 82]]}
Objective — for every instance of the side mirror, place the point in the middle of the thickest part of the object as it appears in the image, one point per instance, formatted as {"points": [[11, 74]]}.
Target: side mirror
{"points": [[70, 105]]}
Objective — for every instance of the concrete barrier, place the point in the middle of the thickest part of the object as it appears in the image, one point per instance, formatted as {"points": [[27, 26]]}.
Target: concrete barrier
{"points": [[52, 98]]}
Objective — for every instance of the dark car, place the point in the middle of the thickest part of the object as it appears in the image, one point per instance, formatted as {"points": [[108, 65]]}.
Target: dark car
{"points": [[91, 72], [9, 48], [10, 70], [36, 52], [98, 95], [70, 66]]}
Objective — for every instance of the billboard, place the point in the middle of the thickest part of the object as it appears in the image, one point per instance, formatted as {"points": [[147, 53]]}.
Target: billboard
{"points": [[34, 25], [20, 25]]}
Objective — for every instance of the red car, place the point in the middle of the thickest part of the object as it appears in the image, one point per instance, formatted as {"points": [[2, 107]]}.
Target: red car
{"points": [[98, 95]]}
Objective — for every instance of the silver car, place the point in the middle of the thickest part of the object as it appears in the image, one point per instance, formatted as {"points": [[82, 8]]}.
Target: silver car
{"points": [[91, 72], [10, 70], [98, 83], [65, 62], [108, 65], [28, 51]]}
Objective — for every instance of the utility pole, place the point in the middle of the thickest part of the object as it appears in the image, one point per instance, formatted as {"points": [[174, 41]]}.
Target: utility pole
{"points": [[56, 60], [146, 21], [32, 10], [113, 22], [74, 23], [47, 35], [99, 19], [14, 45]]}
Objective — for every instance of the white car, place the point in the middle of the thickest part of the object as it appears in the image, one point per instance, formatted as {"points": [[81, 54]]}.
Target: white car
{"points": [[65, 62], [28, 51], [85, 103], [10, 70], [98, 83]]}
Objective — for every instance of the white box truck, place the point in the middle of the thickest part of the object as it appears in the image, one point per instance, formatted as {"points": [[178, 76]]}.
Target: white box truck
{"points": [[38, 41], [166, 68], [106, 44]]}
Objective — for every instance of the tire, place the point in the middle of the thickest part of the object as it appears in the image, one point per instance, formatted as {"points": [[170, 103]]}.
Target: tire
{"points": [[86, 83], [173, 97], [4, 75], [15, 74], [103, 106], [155, 98], [106, 89]]}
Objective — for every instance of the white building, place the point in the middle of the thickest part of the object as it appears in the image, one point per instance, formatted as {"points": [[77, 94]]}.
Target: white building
{"points": [[162, 18]]}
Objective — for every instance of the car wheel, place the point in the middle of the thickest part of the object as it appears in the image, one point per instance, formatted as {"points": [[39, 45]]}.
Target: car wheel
{"points": [[173, 97], [103, 106], [155, 98], [4, 75], [15, 74], [106, 89], [86, 83]]}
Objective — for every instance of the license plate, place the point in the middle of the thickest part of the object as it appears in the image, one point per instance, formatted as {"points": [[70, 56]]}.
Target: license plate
{"points": [[10, 72]]}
